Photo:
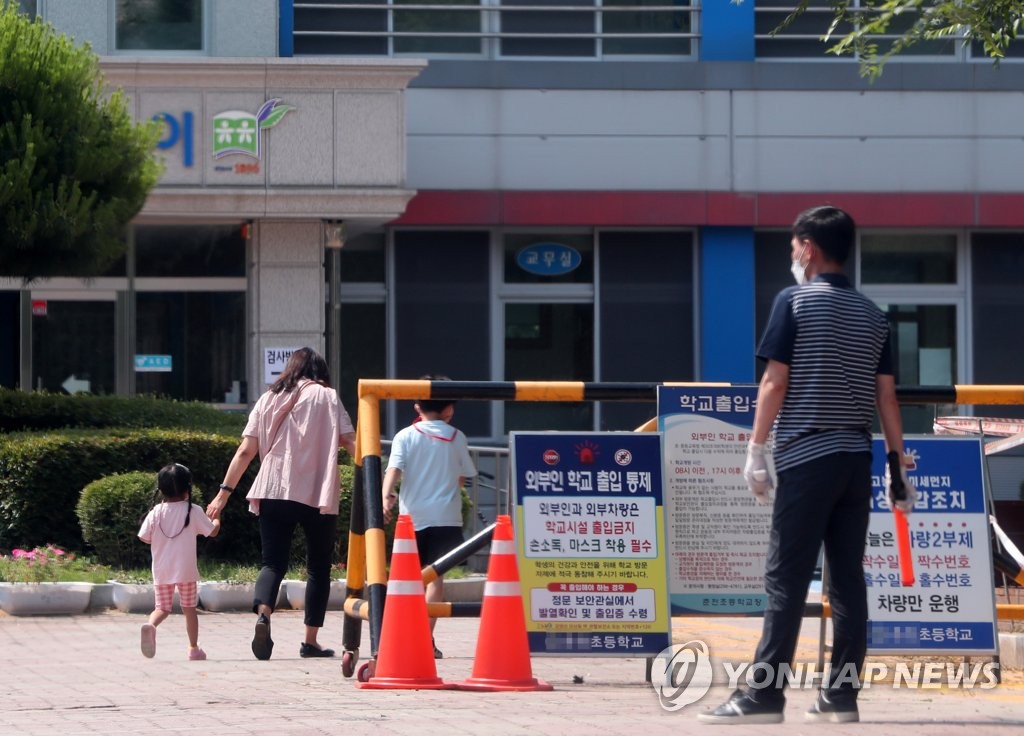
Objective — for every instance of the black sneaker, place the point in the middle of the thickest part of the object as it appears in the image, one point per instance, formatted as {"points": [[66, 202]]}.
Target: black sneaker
{"points": [[829, 711], [262, 644], [312, 650], [741, 708]]}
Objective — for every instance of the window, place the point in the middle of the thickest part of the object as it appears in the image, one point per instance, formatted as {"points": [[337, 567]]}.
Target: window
{"points": [[442, 315], [802, 38], [203, 333], [512, 29], [190, 312], [997, 272], [547, 31], [158, 25], [646, 278], [915, 277], [189, 251], [912, 258]]}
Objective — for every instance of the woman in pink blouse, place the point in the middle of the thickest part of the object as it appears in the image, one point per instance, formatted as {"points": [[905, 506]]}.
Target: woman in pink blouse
{"points": [[296, 428]]}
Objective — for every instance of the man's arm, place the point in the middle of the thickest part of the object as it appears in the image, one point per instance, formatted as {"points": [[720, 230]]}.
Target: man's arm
{"points": [[889, 412], [770, 395]]}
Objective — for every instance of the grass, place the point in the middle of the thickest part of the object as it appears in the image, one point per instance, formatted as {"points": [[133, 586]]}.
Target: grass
{"points": [[50, 564]]}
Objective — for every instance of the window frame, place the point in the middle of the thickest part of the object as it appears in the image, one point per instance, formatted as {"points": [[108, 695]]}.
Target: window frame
{"points": [[205, 34]]}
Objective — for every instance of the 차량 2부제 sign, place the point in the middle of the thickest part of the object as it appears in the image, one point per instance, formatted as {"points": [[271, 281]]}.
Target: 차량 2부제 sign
{"points": [[590, 535], [950, 608]]}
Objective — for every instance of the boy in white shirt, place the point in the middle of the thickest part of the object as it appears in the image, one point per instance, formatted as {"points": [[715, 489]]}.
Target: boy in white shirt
{"points": [[431, 459]]}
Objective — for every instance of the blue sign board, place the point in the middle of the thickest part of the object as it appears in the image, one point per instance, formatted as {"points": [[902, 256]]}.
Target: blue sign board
{"points": [[153, 363], [591, 540], [951, 605], [548, 259]]}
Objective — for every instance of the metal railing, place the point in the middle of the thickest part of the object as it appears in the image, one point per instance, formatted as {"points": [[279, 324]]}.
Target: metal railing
{"points": [[494, 30]]}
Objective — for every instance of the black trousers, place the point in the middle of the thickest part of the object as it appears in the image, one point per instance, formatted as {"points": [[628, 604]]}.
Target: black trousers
{"points": [[278, 520], [824, 500]]}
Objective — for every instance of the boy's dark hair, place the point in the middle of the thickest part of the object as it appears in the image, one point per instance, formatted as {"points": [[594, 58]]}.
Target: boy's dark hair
{"points": [[831, 229], [304, 363], [435, 405]]}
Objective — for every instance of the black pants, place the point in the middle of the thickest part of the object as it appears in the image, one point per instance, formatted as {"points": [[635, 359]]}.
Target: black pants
{"points": [[277, 525], [828, 499]]}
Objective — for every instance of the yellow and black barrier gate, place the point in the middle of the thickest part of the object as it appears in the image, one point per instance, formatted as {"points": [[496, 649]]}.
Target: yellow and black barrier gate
{"points": [[366, 564]]}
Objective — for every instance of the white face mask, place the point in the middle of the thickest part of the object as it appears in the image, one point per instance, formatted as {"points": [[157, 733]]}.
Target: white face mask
{"points": [[799, 272]]}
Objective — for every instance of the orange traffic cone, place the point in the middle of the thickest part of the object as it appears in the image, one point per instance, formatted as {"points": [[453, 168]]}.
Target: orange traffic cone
{"points": [[405, 657], [502, 659]]}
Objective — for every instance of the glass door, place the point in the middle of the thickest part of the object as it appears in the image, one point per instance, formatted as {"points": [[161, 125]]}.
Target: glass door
{"points": [[924, 354], [74, 344]]}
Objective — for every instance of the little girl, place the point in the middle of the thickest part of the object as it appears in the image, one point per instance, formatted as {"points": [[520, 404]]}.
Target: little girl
{"points": [[172, 530]]}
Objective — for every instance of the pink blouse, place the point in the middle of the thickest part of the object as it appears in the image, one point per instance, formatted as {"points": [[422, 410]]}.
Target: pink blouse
{"points": [[297, 432]]}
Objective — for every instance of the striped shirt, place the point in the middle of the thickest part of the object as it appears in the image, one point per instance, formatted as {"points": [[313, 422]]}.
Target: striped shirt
{"points": [[835, 341]]}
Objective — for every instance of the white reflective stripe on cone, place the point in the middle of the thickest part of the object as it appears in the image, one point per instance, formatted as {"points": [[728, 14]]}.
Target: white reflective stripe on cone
{"points": [[405, 587], [503, 547], [404, 545], [504, 589]]}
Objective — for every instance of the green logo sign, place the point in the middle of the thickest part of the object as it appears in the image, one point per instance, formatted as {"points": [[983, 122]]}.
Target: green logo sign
{"points": [[235, 131]]}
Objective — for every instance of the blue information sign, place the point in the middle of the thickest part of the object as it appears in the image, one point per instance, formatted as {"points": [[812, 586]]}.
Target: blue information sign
{"points": [[951, 605]]}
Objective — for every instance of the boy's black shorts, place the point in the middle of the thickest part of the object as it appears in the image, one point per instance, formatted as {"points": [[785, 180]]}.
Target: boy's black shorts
{"points": [[435, 542]]}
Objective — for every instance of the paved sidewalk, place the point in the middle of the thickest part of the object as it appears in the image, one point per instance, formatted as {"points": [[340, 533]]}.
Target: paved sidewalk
{"points": [[85, 675]]}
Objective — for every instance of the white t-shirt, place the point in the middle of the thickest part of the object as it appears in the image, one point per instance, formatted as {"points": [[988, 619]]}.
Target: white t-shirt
{"points": [[174, 544], [432, 456]]}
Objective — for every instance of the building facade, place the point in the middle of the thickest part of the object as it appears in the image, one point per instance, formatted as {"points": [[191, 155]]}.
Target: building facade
{"points": [[567, 190]]}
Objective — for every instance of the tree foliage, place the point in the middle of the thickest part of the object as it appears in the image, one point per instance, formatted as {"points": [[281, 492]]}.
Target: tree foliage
{"points": [[994, 24], [74, 167]]}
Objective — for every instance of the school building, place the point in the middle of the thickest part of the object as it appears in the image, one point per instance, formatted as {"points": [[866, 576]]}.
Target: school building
{"points": [[592, 190]]}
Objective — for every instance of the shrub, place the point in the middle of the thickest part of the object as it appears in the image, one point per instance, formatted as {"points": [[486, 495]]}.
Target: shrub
{"points": [[42, 476], [110, 511], [39, 411]]}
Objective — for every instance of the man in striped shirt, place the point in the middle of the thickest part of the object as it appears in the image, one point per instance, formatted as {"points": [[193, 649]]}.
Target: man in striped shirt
{"points": [[829, 367]]}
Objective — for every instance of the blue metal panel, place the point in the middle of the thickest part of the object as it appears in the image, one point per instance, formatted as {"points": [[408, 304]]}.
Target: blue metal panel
{"points": [[286, 29], [727, 304], [727, 30]]}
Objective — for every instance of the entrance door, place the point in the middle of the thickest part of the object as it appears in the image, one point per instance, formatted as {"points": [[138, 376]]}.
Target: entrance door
{"points": [[74, 345], [925, 354]]}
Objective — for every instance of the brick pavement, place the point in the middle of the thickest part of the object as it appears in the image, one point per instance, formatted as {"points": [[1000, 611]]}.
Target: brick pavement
{"points": [[85, 675]]}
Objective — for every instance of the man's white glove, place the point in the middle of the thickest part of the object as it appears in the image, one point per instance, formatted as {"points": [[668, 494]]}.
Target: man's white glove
{"points": [[902, 493], [759, 480]]}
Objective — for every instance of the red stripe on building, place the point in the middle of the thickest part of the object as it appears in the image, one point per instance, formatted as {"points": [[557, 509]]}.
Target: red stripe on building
{"points": [[697, 209]]}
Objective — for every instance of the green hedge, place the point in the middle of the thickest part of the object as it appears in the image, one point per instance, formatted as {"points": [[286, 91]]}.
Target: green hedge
{"points": [[39, 411], [111, 509], [43, 474]]}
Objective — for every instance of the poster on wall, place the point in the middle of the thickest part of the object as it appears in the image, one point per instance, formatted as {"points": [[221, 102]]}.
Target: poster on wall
{"points": [[590, 533], [950, 608], [717, 531]]}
